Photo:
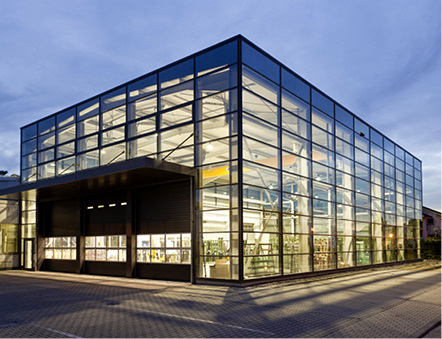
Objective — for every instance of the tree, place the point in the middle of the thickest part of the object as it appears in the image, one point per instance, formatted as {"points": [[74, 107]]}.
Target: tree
{"points": [[3, 173]]}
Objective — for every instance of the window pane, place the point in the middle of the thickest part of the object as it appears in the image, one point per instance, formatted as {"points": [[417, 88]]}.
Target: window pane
{"points": [[321, 120], [260, 107], [216, 82], [87, 143], [29, 132], [323, 103], [260, 130], [143, 146], [66, 166], [344, 116], [295, 144], [88, 109], [344, 133], [112, 135], [141, 127], [114, 117], [113, 99], [113, 154], [176, 117], [259, 85], [217, 104], [29, 146], [219, 127], [322, 138], [177, 74], [294, 105], [142, 87], [217, 58], [260, 62], [46, 125], [259, 152], [66, 134], [66, 117], [142, 108], [177, 95], [295, 125], [88, 126], [295, 85], [47, 140]]}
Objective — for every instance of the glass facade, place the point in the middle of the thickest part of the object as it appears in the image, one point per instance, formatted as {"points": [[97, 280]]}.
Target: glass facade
{"points": [[289, 181]]}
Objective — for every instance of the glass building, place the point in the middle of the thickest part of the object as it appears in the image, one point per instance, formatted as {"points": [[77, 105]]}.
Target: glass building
{"points": [[225, 165]]}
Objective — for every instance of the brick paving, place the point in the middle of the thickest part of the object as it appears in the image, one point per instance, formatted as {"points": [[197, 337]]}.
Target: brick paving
{"points": [[394, 302]]}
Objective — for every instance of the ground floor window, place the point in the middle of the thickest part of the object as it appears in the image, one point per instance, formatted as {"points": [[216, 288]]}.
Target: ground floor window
{"points": [[106, 248], [61, 248], [164, 248]]}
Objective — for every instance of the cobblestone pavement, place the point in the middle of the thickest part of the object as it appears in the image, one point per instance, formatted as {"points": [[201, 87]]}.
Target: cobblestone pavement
{"points": [[399, 301]]}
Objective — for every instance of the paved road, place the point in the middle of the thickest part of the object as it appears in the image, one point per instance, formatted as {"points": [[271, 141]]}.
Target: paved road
{"points": [[401, 301]]}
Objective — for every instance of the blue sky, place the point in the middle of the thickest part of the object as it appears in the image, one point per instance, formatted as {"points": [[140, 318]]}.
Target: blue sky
{"points": [[380, 59]]}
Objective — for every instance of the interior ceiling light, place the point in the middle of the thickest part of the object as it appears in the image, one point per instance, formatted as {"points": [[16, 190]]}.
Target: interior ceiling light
{"points": [[209, 147]]}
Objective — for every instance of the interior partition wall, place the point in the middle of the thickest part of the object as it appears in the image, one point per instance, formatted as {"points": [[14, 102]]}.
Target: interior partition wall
{"points": [[289, 181]]}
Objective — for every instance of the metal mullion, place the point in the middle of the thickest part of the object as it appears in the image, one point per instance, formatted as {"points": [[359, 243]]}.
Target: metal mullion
{"points": [[240, 165], [311, 231]]}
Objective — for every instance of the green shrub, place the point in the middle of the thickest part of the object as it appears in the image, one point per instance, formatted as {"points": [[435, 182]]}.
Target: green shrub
{"points": [[431, 248]]}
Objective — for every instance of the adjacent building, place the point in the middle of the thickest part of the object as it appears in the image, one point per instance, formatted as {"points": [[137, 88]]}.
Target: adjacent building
{"points": [[431, 222], [223, 166]]}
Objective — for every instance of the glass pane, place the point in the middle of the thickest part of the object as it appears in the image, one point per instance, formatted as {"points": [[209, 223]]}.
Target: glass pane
{"points": [[295, 184], [180, 136], [113, 154], [87, 143], [259, 85], [112, 135], [66, 166], [260, 130], [295, 85], [88, 126], [217, 104], [143, 146], [216, 82], [295, 125], [344, 133], [46, 171], [217, 58], [45, 156], [219, 127], [141, 127], [260, 107], [46, 125], [323, 121], [142, 108], [113, 99], [47, 140], [65, 150], [296, 106], [344, 116], [66, 134], [177, 74], [361, 128], [323, 103], [322, 138], [29, 132], [176, 117], [66, 118], [158, 240], [114, 117], [143, 240], [173, 240], [259, 152], [259, 62], [143, 255], [142, 87], [176, 95], [88, 160], [258, 175], [88, 109], [295, 145]]}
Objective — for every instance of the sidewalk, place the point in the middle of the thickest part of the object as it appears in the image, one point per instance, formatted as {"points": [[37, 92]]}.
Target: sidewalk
{"points": [[388, 302]]}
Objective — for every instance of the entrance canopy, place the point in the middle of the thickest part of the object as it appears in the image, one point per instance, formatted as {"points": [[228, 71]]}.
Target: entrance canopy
{"points": [[128, 174]]}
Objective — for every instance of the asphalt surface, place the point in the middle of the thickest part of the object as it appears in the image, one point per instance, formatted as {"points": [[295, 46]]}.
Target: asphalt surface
{"points": [[394, 302]]}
